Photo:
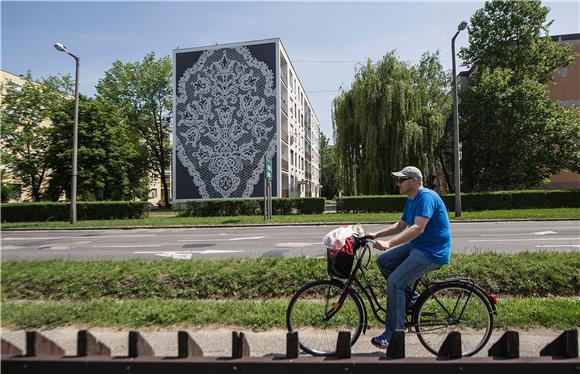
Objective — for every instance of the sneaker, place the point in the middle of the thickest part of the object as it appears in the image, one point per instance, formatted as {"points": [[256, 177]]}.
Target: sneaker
{"points": [[380, 342]]}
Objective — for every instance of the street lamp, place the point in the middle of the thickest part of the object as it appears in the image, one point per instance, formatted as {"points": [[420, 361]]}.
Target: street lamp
{"points": [[73, 192], [457, 176]]}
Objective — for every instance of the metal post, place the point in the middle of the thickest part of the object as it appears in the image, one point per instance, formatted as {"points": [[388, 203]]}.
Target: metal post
{"points": [[73, 193], [457, 173]]}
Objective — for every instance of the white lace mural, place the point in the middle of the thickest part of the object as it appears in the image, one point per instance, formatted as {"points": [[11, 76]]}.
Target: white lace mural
{"points": [[226, 121]]}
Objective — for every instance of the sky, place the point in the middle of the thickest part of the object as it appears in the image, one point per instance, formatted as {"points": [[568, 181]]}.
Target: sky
{"points": [[326, 41]]}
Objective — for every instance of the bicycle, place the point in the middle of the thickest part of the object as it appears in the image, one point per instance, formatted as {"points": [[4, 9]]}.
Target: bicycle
{"points": [[320, 309]]}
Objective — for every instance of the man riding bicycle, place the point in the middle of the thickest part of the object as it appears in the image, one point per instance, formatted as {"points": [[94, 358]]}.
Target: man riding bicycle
{"points": [[422, 243]]}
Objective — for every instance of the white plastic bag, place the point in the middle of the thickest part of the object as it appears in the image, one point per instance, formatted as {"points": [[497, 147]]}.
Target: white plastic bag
{"points": [[337, 237]]}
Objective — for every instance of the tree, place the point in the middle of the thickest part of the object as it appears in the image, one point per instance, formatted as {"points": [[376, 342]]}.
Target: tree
{"points": [[6, 189], [513, 136], [26, 128], [514, 35], [111, 163], [328, 169], [142, 91], [391, 117]]}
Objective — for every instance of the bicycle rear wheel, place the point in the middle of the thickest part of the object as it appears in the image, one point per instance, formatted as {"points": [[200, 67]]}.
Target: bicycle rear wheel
{"points": [[315, 314], [454, 306]]}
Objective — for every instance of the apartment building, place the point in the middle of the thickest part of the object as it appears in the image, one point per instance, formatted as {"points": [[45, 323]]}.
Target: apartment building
{"points": [[18, 192], [565, 88], [234, 105]]}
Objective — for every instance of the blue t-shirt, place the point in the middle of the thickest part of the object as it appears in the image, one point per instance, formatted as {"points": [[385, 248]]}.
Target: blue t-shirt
{"points": [[435, 241]]}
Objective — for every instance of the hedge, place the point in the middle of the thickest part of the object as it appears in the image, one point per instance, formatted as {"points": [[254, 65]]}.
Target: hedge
{"points": [[469, 201], [249, 207], [60, 211]]}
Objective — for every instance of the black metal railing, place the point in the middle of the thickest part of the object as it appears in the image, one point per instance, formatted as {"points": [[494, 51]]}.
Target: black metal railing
{"points": [[93, 356]]}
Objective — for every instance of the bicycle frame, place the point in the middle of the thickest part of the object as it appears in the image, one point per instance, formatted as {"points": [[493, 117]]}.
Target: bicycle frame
{"points": [[367, 290], [363, 285]]}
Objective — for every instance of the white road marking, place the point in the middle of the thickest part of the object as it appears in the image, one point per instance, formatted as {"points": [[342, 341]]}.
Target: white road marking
{"points": [[520, 240], [216, 251], [296, 245], [558, 246], [83, 237], [187, 255], [82, 242], [221, 240], [12, 247], [206, 235], [520, 234], [544, 232], [126, 246], [58, 248]]}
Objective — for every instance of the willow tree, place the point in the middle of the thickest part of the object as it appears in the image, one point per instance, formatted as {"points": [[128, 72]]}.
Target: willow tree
{"points": [[392, 116]]}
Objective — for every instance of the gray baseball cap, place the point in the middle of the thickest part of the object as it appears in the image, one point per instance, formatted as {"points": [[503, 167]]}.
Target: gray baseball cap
{"points": [[409, 172]]}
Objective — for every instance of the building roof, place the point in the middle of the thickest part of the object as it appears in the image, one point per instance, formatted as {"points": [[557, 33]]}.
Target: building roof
{"points": [[564, 37]]}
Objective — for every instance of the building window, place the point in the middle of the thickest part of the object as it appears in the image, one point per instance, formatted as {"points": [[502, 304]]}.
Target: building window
{"points": [[153, 194]]}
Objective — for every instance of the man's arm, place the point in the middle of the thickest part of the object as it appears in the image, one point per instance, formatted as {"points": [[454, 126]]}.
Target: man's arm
{"points": [[394, 229], [407, 235]]}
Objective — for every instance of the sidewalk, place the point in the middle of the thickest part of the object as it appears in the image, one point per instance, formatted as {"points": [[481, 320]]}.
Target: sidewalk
{"points": [[217, 342]]}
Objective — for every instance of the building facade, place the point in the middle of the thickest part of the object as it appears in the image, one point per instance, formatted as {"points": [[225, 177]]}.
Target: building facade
{"points": [[565, 88], [18, 192], [234, 105], [566, 82]]}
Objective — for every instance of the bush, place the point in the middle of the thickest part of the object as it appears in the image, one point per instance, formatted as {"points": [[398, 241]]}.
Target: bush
{"points": [[370, 204], [58, 211], [469, 201], [207, 208], [250, 207]]}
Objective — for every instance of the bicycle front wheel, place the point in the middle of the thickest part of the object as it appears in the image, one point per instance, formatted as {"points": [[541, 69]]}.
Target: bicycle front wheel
{"points": [[454, 307], [315, 313]]}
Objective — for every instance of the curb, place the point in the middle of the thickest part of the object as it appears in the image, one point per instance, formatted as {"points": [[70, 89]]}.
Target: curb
{"points": [[273, 224]]}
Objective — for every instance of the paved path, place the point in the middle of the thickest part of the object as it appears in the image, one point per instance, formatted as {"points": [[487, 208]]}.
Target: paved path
{"points": [[272, 241], [217, 342]]}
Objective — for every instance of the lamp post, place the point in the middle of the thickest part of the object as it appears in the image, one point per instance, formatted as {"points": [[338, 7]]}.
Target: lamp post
{"points": [[73, 192], [457, 175]]}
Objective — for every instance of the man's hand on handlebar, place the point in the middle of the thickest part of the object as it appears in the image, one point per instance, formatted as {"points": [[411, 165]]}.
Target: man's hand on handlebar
{"points": [[382, 245]]}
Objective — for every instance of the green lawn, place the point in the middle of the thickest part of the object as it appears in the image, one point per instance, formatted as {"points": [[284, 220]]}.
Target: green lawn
{"points": [[525, 274], [168, 218], [554, 313]]}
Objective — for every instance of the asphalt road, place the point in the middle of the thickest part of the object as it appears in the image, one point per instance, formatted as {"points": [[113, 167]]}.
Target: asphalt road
{"points": [[276, 241]]}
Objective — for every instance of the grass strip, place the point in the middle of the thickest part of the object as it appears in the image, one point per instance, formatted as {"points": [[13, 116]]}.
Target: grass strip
{"points": [[166, 219], [521, 274], [557, 313]]}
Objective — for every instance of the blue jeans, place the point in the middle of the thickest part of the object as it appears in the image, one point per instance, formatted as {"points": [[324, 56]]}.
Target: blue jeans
{"points": [[401, 266]]}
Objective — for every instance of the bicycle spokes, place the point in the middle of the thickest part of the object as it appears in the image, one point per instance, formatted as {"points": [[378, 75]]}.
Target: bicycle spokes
{"points": [[318, 315], [454, 309]]}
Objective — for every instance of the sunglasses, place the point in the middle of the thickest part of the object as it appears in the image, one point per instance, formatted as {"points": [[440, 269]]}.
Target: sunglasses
{"points": [[401, 180]]}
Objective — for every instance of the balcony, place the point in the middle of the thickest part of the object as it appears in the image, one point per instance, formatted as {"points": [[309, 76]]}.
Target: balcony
{"points": [[284, 104], [283, 76], [284, 165], [284, 136]]}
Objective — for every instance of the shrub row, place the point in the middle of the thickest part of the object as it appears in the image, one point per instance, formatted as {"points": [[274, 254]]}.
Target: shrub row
{"points": [[469, 201], [250, 207], [521, 274], [60, 211]]}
